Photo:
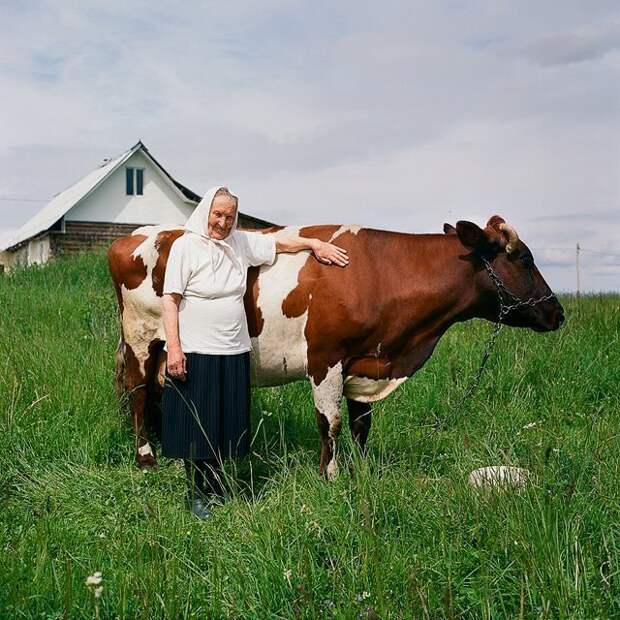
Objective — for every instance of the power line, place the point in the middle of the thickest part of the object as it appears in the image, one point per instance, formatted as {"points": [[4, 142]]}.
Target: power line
{"points": [[7, 198], [602, 253], [556, 249]]}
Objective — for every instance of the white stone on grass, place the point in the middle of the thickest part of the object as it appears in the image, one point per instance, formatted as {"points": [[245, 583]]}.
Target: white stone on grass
{"points": [[499, 476]]}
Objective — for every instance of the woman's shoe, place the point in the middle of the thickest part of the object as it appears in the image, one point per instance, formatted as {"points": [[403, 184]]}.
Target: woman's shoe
{"points": [[199, 506]]}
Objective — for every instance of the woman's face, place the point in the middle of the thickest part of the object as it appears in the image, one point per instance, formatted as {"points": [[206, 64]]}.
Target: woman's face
{"points": [[221, 217]]}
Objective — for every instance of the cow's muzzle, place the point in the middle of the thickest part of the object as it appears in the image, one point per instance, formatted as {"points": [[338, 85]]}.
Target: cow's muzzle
{"points": [[550, 316]]}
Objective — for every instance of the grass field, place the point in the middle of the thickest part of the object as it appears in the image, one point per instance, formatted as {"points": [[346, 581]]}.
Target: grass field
{"points": [[404, 537]]}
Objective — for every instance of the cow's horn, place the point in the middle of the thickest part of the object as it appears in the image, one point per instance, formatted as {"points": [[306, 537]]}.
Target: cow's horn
{"points": [[513, 238]]}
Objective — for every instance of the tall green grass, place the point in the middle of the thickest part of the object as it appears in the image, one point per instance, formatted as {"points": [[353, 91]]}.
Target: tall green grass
{"points": [[397, 535]]}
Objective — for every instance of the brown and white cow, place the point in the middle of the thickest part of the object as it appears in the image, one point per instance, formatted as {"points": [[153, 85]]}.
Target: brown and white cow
{"points": [[360, 331]]}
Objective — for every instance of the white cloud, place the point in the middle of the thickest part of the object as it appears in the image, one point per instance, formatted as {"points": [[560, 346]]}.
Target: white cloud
{"points": [[575, 47]]}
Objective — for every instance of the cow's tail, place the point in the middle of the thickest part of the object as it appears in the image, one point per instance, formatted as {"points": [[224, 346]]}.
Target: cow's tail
{"points": [[119, 370]]}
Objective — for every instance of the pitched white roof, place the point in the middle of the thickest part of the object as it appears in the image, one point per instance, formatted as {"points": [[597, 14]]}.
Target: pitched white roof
{"points": [[64, 201]]}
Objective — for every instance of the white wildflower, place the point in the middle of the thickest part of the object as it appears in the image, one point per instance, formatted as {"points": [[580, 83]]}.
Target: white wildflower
{"points": [[288, 573], [94, 579], [530, 425], [360, 598], [98, 591]]}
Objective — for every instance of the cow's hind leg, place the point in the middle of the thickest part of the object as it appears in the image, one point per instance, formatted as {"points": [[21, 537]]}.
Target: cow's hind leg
{"points": [[327, 398], [360, 415], [137, 381]]}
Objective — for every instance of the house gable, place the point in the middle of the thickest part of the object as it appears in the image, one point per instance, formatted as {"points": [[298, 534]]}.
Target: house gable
{"points": [[161, 202]]}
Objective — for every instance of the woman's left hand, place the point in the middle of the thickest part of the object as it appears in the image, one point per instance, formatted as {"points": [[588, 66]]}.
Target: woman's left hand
{"points": [[329, 253]]}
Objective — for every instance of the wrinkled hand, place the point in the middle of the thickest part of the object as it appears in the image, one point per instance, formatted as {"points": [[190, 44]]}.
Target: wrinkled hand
{"points": [[329, 254], [175, 364]]}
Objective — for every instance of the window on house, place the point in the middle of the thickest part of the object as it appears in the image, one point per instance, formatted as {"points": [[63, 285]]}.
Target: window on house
{"points": [[129, 181], [134, 181]]}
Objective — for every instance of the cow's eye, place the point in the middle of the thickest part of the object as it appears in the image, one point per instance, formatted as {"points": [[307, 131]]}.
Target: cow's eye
{"points": [[528, 261]]}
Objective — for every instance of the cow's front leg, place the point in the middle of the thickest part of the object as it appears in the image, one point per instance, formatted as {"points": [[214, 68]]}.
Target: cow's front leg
{"points": [[327, 397]]}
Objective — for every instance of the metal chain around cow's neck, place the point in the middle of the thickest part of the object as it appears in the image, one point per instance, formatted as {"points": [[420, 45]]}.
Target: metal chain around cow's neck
{"points": [[504, 309]]}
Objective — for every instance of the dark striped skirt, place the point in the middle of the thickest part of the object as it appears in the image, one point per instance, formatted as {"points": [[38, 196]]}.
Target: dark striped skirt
{"points": [[207, 416]]}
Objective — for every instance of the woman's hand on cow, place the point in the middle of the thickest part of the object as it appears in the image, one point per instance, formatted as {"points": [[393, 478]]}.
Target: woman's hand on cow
{"points": [[329, 253], [325, 252], [175, 364]]}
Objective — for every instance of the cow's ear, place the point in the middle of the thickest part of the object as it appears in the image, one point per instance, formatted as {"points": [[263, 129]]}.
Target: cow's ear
{"points": [[449, 229], [471, 236]]}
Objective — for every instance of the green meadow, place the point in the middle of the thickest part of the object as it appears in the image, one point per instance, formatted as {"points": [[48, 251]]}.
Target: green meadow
{"points": [[399, 534]]}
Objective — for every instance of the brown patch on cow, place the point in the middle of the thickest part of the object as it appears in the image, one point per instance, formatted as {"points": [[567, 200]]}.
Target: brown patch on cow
{"points": [[126, 269], [163, 243], [324, 233], [318, 291], [297, 301], [327, 443], [252, 311], [262, 231], [370, 367], [265, 231], [133, 377]]}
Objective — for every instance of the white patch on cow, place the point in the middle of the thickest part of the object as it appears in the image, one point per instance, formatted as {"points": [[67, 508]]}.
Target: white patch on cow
{"points": [[327, 396], [142, 307], [366, 390], [352, 228], [141, 319], [145, 449], [280, 353], [152, 230]]}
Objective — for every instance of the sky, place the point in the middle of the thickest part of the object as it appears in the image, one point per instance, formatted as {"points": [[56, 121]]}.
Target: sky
{"points": [[399, 115]]}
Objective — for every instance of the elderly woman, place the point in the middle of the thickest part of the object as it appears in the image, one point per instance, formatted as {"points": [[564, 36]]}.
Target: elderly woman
{"points": [[206, 398]]}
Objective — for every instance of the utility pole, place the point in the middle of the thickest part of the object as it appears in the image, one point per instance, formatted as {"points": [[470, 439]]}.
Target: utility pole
{"points": [[577, 249]]}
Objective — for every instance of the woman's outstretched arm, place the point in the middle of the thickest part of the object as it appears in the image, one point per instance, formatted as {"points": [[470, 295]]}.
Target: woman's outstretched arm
{"points": [[327, 253]]}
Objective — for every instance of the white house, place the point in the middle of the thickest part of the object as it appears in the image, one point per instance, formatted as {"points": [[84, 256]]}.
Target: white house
{"points": [[126, 192]]}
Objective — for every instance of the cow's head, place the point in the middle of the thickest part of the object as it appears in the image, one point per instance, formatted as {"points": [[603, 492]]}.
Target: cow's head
{"points": [[513, 262]]}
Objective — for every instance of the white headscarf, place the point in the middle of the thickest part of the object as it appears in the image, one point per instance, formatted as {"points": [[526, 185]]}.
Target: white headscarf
{"points": [[198, 220], [197, 223]]}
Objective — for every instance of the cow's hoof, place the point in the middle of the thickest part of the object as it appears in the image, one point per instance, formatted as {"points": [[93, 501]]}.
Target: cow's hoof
{"points": [[146, 462], [145, 457], [332, 470]]}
